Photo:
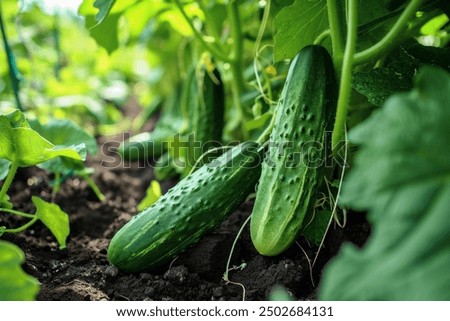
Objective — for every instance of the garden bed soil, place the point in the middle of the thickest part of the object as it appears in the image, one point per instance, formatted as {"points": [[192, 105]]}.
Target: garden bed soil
{"points": [[82, 271]]}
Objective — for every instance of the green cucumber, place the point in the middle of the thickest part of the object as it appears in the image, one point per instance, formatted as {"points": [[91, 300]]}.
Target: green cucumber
{"points": [[294, 165], [143, 146], [193, 207], [205, 114], [151, 145]]}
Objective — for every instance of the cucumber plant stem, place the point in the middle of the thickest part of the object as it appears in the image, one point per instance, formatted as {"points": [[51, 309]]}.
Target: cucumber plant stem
{"points": [[8, 180], [336, 31], [14, 73], [237, 81], [227, 268], [321, 38], [264, 137], [18, 213], [389, 39], [94, 187], [234, 60], [23, 227], [346, 73]]}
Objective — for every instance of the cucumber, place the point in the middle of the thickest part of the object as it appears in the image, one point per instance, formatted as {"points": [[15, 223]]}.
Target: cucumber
{"points": [[294, 165], [143, 146], [205, 113], [151, 145], [193, 207]]}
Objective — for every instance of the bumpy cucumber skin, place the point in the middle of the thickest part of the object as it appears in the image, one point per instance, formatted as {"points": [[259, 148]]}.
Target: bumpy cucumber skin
{"points": [[208, 119], [287, 187], [195, 206]]}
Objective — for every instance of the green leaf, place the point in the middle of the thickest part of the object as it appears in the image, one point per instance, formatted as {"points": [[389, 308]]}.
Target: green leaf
{"points": [[298, 25], [24, 146], [372, 10], [4, 168], [315, 230], [65, 133], [101, 18], [259, 121], [54, 218], [380, 83], [152, 194], [105, 34], [17, 119], [401, 177], [15, 284], [104, 7]]}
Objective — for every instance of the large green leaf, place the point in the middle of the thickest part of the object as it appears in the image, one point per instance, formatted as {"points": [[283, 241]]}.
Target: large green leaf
{"points": [[24, 146], [54, 218], [297, 26], [380, 83], [65, 133], [15, 284], [397, 76], [301, 23], [401, 177]]}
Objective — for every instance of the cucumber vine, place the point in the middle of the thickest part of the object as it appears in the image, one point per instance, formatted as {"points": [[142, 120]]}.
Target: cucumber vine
{"points": [[351, 58]]}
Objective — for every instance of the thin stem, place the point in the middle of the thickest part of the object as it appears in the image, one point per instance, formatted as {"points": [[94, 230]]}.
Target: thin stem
{"points": [[8, 180], [236, 31], [390, 38], [56, 35], [56, 185], [257, 50], [227, 268], [237, 87], [262, 27], [321, 38], [346, 74], [264, 137], [210, 47], [237, 80], [338, 195], [336, 26], [23, 227], [14, 73], [94, 187], [18, 213]]}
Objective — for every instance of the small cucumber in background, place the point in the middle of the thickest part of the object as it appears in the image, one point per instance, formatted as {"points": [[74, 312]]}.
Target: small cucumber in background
{"points": [[204, 108], [192, 208], [151, 145], [294, 165], [142, 146]]}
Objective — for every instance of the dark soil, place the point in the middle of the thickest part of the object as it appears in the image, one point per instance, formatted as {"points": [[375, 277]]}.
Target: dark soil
{"points": [[82, 271]]}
